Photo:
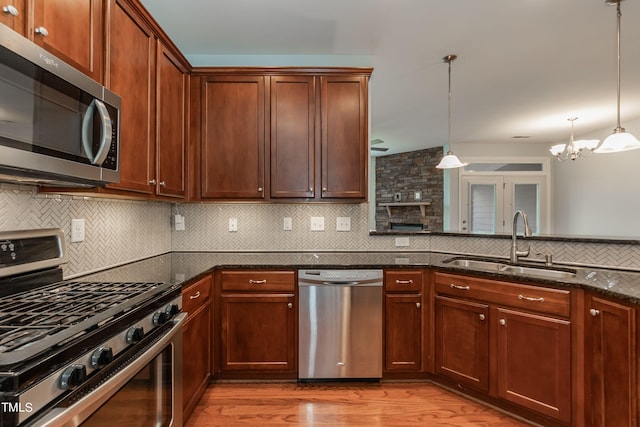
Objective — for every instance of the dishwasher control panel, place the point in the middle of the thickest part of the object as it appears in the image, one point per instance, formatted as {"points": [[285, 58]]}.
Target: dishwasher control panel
{"points": [[339, 275]]}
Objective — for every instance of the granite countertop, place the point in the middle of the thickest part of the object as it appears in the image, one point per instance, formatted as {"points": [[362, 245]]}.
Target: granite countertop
{"points": [[181, 267]]}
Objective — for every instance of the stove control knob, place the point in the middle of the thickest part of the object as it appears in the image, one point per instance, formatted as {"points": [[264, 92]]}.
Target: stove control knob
{"points": [[135, 334], [172, 309], [101, 357], [73, 376], [160, 318]]}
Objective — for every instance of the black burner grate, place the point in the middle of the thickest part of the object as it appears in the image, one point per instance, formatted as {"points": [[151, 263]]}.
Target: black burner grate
{"points": [[51, 314]]}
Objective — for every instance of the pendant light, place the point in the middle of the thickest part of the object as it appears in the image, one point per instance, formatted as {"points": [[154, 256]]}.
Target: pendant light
{"points": [[619, 140], [450, 161], [573, 149]]}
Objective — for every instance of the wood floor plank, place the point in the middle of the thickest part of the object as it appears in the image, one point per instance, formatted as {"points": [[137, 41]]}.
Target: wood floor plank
{"points": [[366, 404]]}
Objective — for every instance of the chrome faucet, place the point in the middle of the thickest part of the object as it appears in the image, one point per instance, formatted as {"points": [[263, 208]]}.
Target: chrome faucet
{"points": [[515, 253]]}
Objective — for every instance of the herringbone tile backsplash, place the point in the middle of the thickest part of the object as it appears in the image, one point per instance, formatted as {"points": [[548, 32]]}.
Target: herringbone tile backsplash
{"points": [[120, 231], [116, 231]]}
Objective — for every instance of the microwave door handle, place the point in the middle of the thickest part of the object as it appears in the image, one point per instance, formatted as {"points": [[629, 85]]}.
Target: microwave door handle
{"points": [[105, 132]]}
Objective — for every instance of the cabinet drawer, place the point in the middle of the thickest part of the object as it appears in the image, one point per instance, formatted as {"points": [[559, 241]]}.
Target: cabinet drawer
{"points": [[257, 281], [403, 281], [196, 295], [534, 298]]}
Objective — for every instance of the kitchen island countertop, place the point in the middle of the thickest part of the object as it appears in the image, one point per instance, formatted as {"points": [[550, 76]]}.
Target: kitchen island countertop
{"points": [[181, 267]]}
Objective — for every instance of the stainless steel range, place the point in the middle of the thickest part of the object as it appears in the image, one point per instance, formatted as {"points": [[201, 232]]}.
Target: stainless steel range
{"points": [[81, 353]]}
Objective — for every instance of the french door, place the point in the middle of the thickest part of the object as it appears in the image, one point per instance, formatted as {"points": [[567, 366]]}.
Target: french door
{"points": [[488, 202]]}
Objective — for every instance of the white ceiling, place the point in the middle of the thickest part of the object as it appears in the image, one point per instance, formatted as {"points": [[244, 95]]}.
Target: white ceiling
{"points": [[524, 66]]}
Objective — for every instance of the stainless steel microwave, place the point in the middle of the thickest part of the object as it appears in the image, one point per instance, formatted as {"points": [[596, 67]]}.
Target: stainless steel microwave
{"points": [[57, 126]]}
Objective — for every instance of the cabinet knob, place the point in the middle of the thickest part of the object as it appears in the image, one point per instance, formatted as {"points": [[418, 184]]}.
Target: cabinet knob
{"points": [[324, 189], [290, 305], [503, 322], [11, 10], [482, 317], [42, 31], [152, 182], [418, 305], [163, 184], [260, 189], [594, 312]]}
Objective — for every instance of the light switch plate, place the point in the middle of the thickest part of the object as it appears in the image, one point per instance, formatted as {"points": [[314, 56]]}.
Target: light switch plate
{"points": [[317, 223], [402, 241], [287, 223], [343, 223], [77, 230]]}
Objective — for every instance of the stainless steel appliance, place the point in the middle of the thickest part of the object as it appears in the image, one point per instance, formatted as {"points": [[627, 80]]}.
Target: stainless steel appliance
{"points": [[340, 324], [57, 126], [82, 353]]}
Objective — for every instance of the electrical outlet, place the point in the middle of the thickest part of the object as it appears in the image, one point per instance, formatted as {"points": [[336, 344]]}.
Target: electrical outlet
{"points": [[397, 197], [402, 241], [317, 223], [178, 222], [233, 224], [287, 223], [77, 230], [343, 223]]}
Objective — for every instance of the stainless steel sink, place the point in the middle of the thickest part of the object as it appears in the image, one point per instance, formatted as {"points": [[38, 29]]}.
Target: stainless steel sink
{"points": [[503, 266]]}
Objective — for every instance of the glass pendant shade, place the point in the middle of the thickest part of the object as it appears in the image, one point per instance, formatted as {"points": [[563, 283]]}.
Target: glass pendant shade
{"points": [[618, 141], [450, 161]]}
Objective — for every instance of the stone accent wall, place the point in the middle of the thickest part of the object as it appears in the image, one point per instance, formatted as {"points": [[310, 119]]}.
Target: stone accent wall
{"points": [[406, 173]]}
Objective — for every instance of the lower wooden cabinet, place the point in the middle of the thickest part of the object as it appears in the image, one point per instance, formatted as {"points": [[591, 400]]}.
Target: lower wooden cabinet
{"points": [[196, 341], [462, 341], [404, 324], [257, 324], [611, 363], [509, 341]]}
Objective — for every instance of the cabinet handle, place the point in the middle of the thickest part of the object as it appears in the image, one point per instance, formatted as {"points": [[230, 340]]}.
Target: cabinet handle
{"points": [[290, 305], [503, 322], [462, 288], [418, 305], [152, 182], [42, 31], [594, 312], [404, 282], [257, 282], [11, 10], [482, 317], [195, 296], [522, 297]]}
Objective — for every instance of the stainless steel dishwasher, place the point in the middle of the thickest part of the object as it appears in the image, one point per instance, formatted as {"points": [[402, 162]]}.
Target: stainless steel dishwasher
{"points": [[340, 324]]}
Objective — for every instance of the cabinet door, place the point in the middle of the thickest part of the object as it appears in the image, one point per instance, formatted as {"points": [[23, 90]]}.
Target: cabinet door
{"points": [[292, 136], [258, 332], [196, 368], [13, 15], [171, 78], [131, 74], [403, 332], [462, 341], [344, 137], [534, 362], [72, 30], [233, 137], [611, 363]]}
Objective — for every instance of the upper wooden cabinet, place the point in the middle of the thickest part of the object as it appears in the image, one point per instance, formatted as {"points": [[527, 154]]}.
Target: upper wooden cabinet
{"points": [[344, 137], [293, 136], [233, 137], [131, 74], [73, 30], [285, 134], [13, 14], [171, 120]]}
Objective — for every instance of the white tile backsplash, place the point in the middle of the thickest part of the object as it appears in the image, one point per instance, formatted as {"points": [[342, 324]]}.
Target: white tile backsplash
{"points": [[118, 231]]}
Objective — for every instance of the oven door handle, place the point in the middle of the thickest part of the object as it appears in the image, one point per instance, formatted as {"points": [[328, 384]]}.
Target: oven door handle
{"points": [[75, 414]]}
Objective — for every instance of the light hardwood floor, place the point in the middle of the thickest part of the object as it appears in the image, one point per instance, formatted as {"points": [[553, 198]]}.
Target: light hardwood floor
{"points": [[341, 404]]}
